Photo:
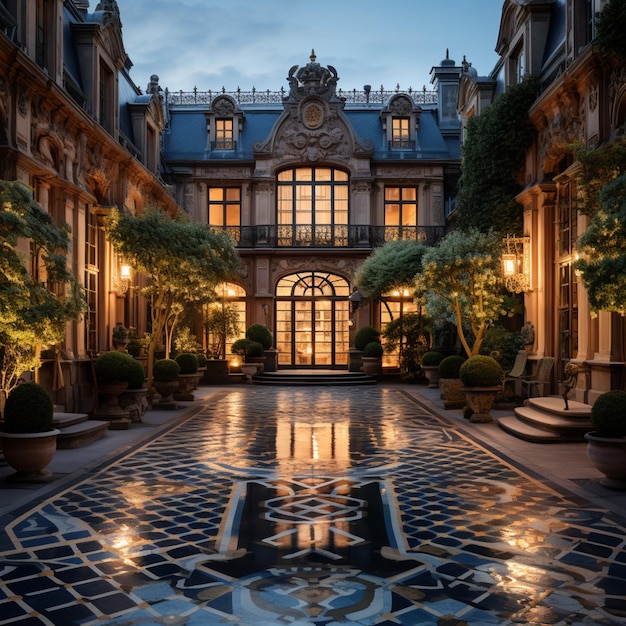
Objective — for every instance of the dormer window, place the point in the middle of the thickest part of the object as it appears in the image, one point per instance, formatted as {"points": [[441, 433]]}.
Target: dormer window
{"points": [[224, 124], [400, 135], [400, 121], [224, 138]]}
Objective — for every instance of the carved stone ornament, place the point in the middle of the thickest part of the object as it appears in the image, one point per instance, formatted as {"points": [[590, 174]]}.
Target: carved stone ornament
{"points": [[313, 115], [223, 106]]}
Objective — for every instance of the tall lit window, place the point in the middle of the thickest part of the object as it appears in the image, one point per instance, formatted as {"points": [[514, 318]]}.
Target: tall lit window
{"points": [[224, 138], [231, 302], [312, 207], [400, 212], [225, 209], [400, 135], [91, 283]]}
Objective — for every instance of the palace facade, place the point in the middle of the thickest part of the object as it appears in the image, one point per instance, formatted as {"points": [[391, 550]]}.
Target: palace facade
{"points": [[308, 179]]}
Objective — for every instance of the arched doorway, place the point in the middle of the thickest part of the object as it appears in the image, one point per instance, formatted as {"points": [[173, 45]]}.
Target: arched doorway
{"points": [[312, 315]]}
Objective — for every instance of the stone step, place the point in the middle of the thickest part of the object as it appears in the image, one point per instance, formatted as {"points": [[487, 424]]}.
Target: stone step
{"points": [[311, 379], [545, 420], [80, 434], [61, 419]]}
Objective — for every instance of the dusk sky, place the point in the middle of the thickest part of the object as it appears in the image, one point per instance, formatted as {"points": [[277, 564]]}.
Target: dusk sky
{"points": [[210, 44]]}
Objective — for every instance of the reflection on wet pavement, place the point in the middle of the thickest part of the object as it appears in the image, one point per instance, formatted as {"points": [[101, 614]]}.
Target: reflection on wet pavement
{"points": [[319, 506]]}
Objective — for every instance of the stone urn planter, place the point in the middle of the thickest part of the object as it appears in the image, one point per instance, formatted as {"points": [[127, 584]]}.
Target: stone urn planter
{"points": [[480, 400], [482, 381], [187, 377], [372, 359], [608, 455], [606, 444], [165, 374], [249, 370], [135, 401], [28, 439], [430, 367], [110, 407], [452, 393]]}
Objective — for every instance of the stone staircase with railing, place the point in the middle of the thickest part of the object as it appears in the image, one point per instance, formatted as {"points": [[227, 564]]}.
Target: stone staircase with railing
{"points": [[545, 420]]}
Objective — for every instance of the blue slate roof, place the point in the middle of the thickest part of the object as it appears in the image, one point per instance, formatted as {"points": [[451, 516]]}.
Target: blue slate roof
{"points": [[186, 138]]}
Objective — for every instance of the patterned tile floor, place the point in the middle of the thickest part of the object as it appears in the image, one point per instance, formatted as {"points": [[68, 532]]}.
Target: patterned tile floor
{"points": [[322, 506]]}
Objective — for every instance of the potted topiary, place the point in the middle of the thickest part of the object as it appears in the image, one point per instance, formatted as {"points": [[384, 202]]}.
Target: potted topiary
{"points": [[188, 363], [165, 376], [29, 440], [372, 359], [134, 399], [262, 334], [606, 443], [252, 353], [113, 372], [430, 365], [481, 376], [365, 335], [450, 384], [202, 361]]}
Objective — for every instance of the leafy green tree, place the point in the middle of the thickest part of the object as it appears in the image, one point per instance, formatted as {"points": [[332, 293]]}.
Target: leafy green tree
{"points": [[493, 160], [461, 283], [602, 250], [38, 293], [390, 267], [184, 262]]}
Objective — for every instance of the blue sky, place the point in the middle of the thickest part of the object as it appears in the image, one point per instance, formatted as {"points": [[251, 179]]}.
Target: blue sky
{"points": [[210, 44]]}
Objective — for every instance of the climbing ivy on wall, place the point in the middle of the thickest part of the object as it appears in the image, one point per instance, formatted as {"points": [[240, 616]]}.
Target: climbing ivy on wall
{"points": [[610, 28], [493, 161]]}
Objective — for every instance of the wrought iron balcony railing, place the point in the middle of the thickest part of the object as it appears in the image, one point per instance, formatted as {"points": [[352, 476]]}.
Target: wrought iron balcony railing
{"points": [[329, 235]]}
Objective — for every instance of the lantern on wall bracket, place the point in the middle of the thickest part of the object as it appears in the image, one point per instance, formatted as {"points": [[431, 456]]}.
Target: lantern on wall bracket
{"points": [[121, 282], [516, 263]]}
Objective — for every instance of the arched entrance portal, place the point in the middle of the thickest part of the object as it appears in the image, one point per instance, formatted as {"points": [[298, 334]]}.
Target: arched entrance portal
{"points": [[312, 315]]}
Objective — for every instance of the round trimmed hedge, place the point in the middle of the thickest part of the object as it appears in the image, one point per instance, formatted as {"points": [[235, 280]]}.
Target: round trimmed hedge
{"points": [[432, 358], [373, 350], [481, 371], [28, 409], [188, 363], [608, 414], [450, 366], [365, 335], [114, 366], [165, 370], [261, 334]]}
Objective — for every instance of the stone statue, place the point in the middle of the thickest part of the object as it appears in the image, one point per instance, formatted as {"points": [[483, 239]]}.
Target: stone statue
{"points": [[571, 376]]}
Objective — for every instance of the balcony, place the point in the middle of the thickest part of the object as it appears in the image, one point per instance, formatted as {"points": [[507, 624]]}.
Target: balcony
{"points": [[329, 236]]}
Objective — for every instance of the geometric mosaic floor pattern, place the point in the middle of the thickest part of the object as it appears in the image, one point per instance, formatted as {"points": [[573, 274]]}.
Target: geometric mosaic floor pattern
{"points": [[322, 506]]}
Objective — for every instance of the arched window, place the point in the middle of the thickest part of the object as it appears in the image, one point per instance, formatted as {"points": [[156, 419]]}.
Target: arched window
{"points": [[312, 207]]}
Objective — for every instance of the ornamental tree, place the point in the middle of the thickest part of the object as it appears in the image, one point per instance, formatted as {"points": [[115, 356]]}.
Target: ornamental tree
{"points": [[602, 250], [183, 261], [461, 283], [38, 293]]}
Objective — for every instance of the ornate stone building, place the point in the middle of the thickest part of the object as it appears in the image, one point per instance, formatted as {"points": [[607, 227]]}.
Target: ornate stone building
{"points": [[308, 179], [582, 99]]}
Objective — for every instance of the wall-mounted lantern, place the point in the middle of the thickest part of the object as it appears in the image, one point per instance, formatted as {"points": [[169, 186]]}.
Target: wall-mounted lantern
{"points": [[121, 282], [516, 263]]}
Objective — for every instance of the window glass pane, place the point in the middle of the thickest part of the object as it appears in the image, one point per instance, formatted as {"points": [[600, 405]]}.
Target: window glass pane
{"points": [[392, 193], [216, 215], [304, 173], [232, 215], [409, 194], [233, 194], [216, 193], [323, 173], [392, 215], [409, 215]]}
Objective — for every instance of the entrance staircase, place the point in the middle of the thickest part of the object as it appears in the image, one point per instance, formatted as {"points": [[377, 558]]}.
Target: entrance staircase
{"points": [[76, 429], [313, 377], [545, 420]]}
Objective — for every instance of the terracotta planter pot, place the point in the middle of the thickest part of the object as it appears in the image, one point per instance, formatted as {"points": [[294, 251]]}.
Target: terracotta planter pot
{"points": [[29, 454], [480, 400], [609, 457], [452, 393]]}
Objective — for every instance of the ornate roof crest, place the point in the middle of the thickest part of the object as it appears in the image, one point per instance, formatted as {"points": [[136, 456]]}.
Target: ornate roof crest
{"points": [[312, 80]]}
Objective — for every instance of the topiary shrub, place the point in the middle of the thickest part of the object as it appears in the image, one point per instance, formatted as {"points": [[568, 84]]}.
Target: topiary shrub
{"points": [[247, 348], [28, 409], [188, 363], [165, 370], [260, 334], [365, 335], [431, 358], [450, 366], [201, 360], [608, 414], [481, 371], [373, 350], [114, 366], [137, 376]]}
